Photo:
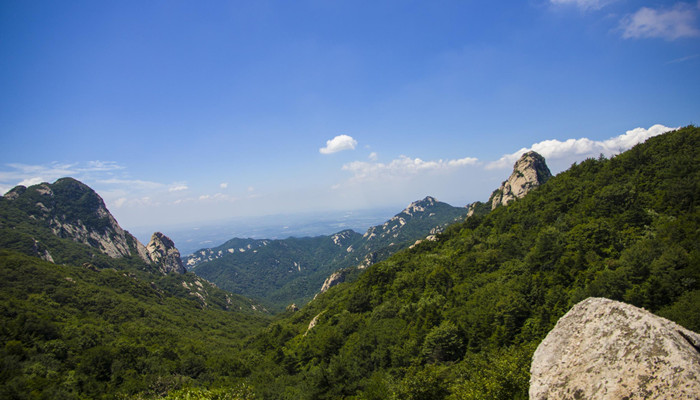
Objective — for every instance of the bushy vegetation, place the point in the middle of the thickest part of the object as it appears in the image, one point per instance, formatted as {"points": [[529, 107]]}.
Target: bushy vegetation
{"points": [[74, 332], [458, 318], [280, 272]]}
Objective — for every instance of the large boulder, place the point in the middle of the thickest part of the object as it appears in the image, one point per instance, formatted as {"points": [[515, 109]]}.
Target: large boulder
{"points": [[604, 349]]}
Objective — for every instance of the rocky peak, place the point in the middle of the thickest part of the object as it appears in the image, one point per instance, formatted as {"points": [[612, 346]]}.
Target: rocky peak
{"points": [[164, 254], [72, 210], [15, 192], [529, 172], [604, 349], [420, 205]]}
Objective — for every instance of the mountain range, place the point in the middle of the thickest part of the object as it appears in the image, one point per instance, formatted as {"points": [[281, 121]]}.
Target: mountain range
{"points": [[284, 271], [86, 311], [291, 271]]}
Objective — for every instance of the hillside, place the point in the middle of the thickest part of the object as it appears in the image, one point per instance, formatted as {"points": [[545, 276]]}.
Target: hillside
{"points": [[86, 311], [281, 272], [72, 332], [459, 318]]}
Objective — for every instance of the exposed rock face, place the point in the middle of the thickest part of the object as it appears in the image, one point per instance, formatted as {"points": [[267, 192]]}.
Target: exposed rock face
{"points": [[163, 252], [604, 349], [335, 278], [529, 172], [72, 210]]}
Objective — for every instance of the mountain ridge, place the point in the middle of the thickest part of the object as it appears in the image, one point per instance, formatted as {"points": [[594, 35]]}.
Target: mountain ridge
{"points": [[315, 257], [460, 317], [67, 222]]}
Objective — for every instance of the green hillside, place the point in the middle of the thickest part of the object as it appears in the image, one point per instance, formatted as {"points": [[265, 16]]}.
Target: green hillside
{"points": [[459, 318], [455, 318], [281, 272], [73, 332], [277, 272]]}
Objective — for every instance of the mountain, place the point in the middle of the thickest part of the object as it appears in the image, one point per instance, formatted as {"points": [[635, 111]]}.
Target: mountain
{"points": [[293, 270], [87, 311], [275, 272], [68, 223], [460, 317], [32, 218], [529, 172], [604, 349]]}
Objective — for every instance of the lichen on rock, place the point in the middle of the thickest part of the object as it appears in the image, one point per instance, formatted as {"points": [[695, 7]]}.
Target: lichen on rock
{"points": [[605, 349]]}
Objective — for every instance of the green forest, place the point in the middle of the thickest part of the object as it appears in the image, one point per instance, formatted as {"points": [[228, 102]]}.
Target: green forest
{"points": [[455, 318]]}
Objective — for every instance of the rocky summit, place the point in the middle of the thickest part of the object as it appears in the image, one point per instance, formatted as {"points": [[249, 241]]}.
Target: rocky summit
{"points": [[163, 252], [529, 172], [604, 349], [69, 209]]}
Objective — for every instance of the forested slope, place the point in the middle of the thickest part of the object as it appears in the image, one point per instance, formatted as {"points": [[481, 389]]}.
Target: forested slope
{"points": [[74, 332], [459, 318]]}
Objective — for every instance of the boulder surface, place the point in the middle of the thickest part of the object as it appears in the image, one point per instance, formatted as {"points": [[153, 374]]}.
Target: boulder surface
{"points": [[605, 349]]}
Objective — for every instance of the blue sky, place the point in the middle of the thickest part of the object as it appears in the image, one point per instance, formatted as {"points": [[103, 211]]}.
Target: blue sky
{"points": [[185, 111]]}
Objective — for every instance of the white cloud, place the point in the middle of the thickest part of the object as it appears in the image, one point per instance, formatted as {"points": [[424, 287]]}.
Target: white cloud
{"points": [[673, 23], [573, 150], [178, 188], [102, 166], [373, 156], [24, 174], [32, 181], [584, 4], [683, 59], [401, 167], [131, 183], [339, 143], [217, 197], [223, 185]]}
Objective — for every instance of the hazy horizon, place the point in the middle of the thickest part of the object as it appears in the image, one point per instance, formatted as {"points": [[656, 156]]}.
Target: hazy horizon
{"points": [[185, 112]]}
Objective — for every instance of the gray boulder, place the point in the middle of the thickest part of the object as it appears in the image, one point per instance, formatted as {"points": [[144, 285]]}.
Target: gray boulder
{"points": [[604, 349]]}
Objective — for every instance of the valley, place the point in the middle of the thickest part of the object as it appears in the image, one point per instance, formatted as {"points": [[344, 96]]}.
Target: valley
{"points": [[414, 312]]}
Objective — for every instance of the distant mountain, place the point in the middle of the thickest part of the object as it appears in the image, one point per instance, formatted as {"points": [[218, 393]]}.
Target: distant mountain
{"points": [[292, 270]]}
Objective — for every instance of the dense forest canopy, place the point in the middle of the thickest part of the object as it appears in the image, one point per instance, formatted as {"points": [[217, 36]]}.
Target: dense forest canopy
{"points": [[456, 318]]}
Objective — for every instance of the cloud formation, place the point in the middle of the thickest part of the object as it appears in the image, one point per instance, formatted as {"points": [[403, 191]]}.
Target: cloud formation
{"points": [[674, 23], [339, 143], [579, 149], [14, 174], [584, 4], [178, 188], [402, 167]]}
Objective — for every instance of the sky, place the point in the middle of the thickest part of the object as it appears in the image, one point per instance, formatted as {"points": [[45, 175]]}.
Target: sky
{"points": [[181, 112]]}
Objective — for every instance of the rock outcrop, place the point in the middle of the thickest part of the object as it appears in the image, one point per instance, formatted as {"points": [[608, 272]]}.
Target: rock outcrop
{"points": [[529, 172], [335, 278], [604, 349], [72, 210], [162, 252]]}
